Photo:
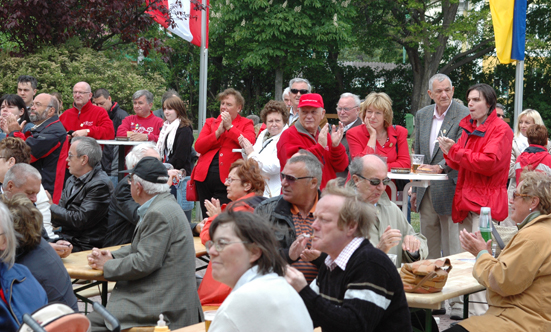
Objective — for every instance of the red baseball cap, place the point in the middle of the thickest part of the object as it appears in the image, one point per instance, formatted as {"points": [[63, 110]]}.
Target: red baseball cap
{"points": [[311, 99]]}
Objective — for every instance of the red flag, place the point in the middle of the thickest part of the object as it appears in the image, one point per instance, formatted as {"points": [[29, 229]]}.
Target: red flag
{"points": [[187, 18]]}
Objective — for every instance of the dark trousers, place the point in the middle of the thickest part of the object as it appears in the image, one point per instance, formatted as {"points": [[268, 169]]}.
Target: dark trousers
{"points": [[212, 187], [457, 328]]}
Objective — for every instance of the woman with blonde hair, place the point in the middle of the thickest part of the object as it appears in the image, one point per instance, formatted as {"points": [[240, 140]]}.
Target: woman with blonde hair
{"points": [[520, 142], [378, 135]]}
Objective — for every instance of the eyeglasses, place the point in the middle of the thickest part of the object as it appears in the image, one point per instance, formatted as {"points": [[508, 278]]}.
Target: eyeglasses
{"points": [[130, 178], [501, 115], [70, 155], [302, 91], [221, 244], [515, 195], [291, 179], [345, 109], [375, 182], [80, 92], [230, 180]]}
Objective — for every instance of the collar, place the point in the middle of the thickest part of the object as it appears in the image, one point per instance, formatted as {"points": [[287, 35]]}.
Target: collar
{"points": [[147, 117], [441, 117], [113, 107], [528, 219], [84, 178], [470, 127], [294, 208], [249, 275], [143, 209], [344, 255], [351, 124], [534, 148], [303, 130]]}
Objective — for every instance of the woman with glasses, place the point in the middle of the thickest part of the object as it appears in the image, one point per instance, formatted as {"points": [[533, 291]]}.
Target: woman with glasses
{"points": [[526, 119], [378, 135], [245, 257], [244, 187], [215, 144], [20, 293], [275, 116], [518, 280]]}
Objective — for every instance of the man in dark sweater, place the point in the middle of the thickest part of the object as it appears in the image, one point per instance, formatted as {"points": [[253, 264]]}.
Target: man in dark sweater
{"points": [[358, 288]]}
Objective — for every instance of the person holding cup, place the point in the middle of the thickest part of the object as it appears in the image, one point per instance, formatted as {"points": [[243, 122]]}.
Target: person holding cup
{"points": [[245, 257]]}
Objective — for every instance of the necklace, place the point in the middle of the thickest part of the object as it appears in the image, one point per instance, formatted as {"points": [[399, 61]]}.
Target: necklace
{"points": [[386, 141]]}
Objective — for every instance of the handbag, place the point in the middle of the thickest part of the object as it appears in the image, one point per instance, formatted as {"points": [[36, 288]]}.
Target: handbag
{"points": [[426, 276], [191, 190]]}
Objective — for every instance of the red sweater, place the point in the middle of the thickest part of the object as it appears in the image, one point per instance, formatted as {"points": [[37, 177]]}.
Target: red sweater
{"points": [[90, 117], [333, 159], [396, 149], [150, 125]]}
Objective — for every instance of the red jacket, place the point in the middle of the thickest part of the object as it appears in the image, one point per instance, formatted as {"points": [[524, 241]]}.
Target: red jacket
{"points": [[396, 149], [534, 157], [207, 145], [296, 137], [482, 155], [90, 117]]}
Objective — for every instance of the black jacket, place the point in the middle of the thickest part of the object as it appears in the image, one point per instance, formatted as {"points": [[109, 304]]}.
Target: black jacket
{"points": [[181, 151], [109, 159], [82, 209], [122, 217]]}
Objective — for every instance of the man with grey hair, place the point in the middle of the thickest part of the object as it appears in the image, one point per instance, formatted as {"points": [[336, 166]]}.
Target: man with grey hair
{"points": [[156, 272], [348, 109], [82, 209], [297, 87], [435, 202], [391, 231], [292, 213], [286, 96], [85, 118], [48, 142], [142, 126]]}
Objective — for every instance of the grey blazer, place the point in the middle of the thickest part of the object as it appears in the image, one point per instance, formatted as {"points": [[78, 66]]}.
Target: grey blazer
{"points": [[156, 273], [442, 192]]}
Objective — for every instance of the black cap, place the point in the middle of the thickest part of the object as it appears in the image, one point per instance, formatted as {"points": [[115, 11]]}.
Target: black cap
{"points": [[150, 169]]}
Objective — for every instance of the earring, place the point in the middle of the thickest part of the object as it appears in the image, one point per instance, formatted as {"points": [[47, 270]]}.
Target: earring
{"points": [[530, 209]]}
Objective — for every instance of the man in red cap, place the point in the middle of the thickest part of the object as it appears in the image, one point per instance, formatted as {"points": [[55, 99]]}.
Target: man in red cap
{"points": [[324, 143]]}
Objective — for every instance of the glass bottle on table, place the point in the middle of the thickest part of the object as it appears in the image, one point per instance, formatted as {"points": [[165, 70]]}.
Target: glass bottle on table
{"points": [[485, 223]]}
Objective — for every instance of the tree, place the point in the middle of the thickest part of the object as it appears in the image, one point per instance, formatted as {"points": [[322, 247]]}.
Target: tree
{"points": [[280, 36], [426, 29], [99, 24]]}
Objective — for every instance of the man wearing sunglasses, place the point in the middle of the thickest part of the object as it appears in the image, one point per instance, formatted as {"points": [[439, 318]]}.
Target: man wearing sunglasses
{"points": [[298, 87], [390, 232], [292, 213]]}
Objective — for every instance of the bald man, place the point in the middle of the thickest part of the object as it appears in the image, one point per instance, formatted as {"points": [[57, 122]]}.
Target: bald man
{"points": [[84, 118]]}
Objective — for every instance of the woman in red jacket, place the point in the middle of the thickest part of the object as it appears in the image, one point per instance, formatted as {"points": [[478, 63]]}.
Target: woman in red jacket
{"points": [[215, 143], [481, 156], [245, 187], [535, 156], [378, 135]]}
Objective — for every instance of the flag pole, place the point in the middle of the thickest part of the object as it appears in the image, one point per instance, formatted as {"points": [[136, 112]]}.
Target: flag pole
{"points": [[203, 68], [519, 89]]}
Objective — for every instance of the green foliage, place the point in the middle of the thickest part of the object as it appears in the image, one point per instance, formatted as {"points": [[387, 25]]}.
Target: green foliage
{"points": [[58, 69]]}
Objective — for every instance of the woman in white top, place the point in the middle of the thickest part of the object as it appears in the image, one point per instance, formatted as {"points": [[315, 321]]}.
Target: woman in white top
{"points": [[245, 257], [275, 116]]}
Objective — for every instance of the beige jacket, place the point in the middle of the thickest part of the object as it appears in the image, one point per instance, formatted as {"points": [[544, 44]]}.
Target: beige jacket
{"points": [[517, 283], [389, 213]]}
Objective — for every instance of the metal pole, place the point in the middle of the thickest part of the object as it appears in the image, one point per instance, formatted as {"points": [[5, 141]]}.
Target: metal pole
{"points": [[519, 89], [203, 67]]}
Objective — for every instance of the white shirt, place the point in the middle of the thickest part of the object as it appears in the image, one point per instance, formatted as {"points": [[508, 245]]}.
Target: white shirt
{"points": [[437, 121]]}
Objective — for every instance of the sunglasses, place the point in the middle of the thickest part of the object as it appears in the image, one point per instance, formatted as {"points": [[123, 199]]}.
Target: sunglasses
{"points": [[515, 195], [291, 179], [375, 182], [302, 91], [500, 115]]}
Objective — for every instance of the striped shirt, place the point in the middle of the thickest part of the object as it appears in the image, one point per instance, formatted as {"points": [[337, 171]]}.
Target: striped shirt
{"points": [[304, 226]]}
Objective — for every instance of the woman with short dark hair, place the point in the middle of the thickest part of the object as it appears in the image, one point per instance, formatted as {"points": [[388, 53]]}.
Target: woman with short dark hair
{"points": [[245, 257], [535, 156]]}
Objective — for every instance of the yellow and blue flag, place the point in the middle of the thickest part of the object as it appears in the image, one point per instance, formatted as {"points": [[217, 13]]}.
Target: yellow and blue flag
{"points": [[509, 20]]}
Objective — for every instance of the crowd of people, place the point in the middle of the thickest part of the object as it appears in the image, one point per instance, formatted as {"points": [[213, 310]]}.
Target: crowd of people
{"points": [[299, 223]]}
